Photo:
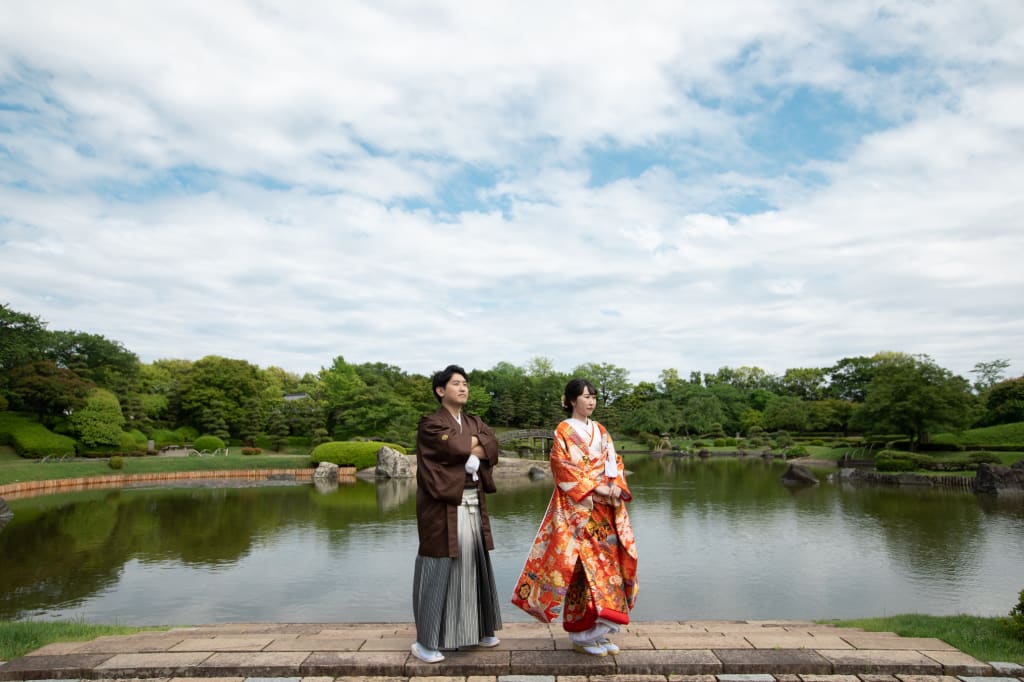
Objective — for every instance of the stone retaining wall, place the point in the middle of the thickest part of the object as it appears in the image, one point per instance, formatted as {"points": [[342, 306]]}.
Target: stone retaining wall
{"points": [[12, 491]]}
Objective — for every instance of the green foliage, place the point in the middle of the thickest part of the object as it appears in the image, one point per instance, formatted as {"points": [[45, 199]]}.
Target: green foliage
{"points": [[19, 637], [914, 396], [185, 434], [1003, 434], [1016, 620], [31, 439], [719, 442], [127, 443], [98, 423], [360, 454], [116, 462], [893, 464], [22, 338], [208, 442], [986, 639], [797, 451], [46, 389], [164, 437], [1004, 402]]}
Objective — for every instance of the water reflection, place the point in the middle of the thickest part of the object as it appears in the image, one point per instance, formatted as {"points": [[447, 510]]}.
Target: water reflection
{"points": [[717, 539]]}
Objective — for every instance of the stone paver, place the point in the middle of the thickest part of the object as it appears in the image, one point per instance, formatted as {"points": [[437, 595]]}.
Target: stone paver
{"points": [[1007, 669], [958, 663], [661, 651], [889, 661], [792, 661]]}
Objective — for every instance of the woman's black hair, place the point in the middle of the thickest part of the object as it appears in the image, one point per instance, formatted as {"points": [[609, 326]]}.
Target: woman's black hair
{"points": [[442, 378], [573, 390]]}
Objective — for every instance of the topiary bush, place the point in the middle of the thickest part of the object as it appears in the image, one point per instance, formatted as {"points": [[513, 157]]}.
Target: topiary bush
{"points": [[251, 451], [116, 462], [719, 442], [893, 464], [186, 434], [208, 443], [31, 439], [127, 443], [360, 454], [164, 437]]}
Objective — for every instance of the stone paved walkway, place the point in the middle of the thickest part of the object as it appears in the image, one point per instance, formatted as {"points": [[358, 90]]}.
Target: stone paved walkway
{"points": [[690, 651]]}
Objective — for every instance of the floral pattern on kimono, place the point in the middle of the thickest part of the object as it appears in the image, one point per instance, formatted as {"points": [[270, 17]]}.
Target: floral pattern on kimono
{"points": [[584, 555]]}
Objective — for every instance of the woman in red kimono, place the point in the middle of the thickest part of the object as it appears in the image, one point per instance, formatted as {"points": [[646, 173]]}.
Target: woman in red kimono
{"points": [[583, 561]]}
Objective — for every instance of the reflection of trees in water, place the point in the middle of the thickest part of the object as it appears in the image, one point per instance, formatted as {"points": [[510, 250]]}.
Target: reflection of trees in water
{"points": [[731, 488], [933, 533], [65, 548]]}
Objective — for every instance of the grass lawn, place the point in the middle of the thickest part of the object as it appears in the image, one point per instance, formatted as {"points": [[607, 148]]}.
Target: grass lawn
{"points": [[986, 639], [15, 469], [18, 637]]}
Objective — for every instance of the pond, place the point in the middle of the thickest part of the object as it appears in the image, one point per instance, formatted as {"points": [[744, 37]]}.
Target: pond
{"points": [[718, 539]]}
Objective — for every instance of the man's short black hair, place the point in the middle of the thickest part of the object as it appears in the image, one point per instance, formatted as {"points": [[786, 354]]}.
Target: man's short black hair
{"points": [[442, 378]]}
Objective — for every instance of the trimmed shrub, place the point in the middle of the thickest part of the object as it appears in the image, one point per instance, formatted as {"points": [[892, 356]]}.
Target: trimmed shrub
{"points": [[719, 442], [164, 437], [31, 439], [208, 443], [139, 437], [116, 462], [127, 443], [186, 434], [360, 454], [251, 451], [98, 423], [797, 451], [699, 444], [894, 464]]}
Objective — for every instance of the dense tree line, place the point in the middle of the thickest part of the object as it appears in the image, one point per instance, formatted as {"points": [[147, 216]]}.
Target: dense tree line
{"points": [[94, 389]]}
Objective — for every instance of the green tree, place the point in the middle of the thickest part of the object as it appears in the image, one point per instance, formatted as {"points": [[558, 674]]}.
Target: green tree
{"points": [[989, 374], [1004, 402], [23, 338], [752, 421], [805, 383], [701, 412], [610, 381], [786, 413], [830, 415], [914, 396], [47, 390], [98, 423], [95, 358], [849, 378], [218, 388]]}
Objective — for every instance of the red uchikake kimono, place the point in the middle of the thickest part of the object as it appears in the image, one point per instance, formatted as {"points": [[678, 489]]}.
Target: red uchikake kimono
{"points": [[584, 552]]}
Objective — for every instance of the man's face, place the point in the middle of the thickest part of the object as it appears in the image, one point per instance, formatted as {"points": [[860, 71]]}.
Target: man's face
{"points": [[455, 392]]}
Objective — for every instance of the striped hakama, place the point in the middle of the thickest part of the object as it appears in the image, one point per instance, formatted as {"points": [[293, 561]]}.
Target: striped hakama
{"points": [[455, 601]]}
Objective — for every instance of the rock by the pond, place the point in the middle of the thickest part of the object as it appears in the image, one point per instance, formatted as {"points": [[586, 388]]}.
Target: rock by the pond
{"points": [[536, 473], [326, 472], [1002, 480], [393, 464], [799, 475]]}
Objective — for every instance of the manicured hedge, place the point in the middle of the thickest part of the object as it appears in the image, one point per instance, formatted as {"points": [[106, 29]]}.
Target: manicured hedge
{"points": [[31, 439], [208, 442], [360, 454]]}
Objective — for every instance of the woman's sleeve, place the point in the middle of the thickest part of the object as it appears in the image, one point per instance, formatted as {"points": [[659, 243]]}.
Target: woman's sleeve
{"points": [[569, 477], [620, 480]]}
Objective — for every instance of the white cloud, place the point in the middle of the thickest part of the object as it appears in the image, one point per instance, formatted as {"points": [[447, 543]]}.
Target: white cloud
{"points": [[416, 184]]}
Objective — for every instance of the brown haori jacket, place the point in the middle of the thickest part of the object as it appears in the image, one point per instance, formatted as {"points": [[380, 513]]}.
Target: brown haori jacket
{"points": [[442, 449]]}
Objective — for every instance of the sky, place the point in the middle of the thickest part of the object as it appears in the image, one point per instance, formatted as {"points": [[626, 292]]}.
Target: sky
{"points": [[652, 185]]}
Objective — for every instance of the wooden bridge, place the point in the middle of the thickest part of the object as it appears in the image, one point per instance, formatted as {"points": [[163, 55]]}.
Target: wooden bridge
{"points": [[529, 438]]}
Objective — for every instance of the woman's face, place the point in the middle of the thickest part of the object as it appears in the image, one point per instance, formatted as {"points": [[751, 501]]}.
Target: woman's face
{"points": [[584, 405]]}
